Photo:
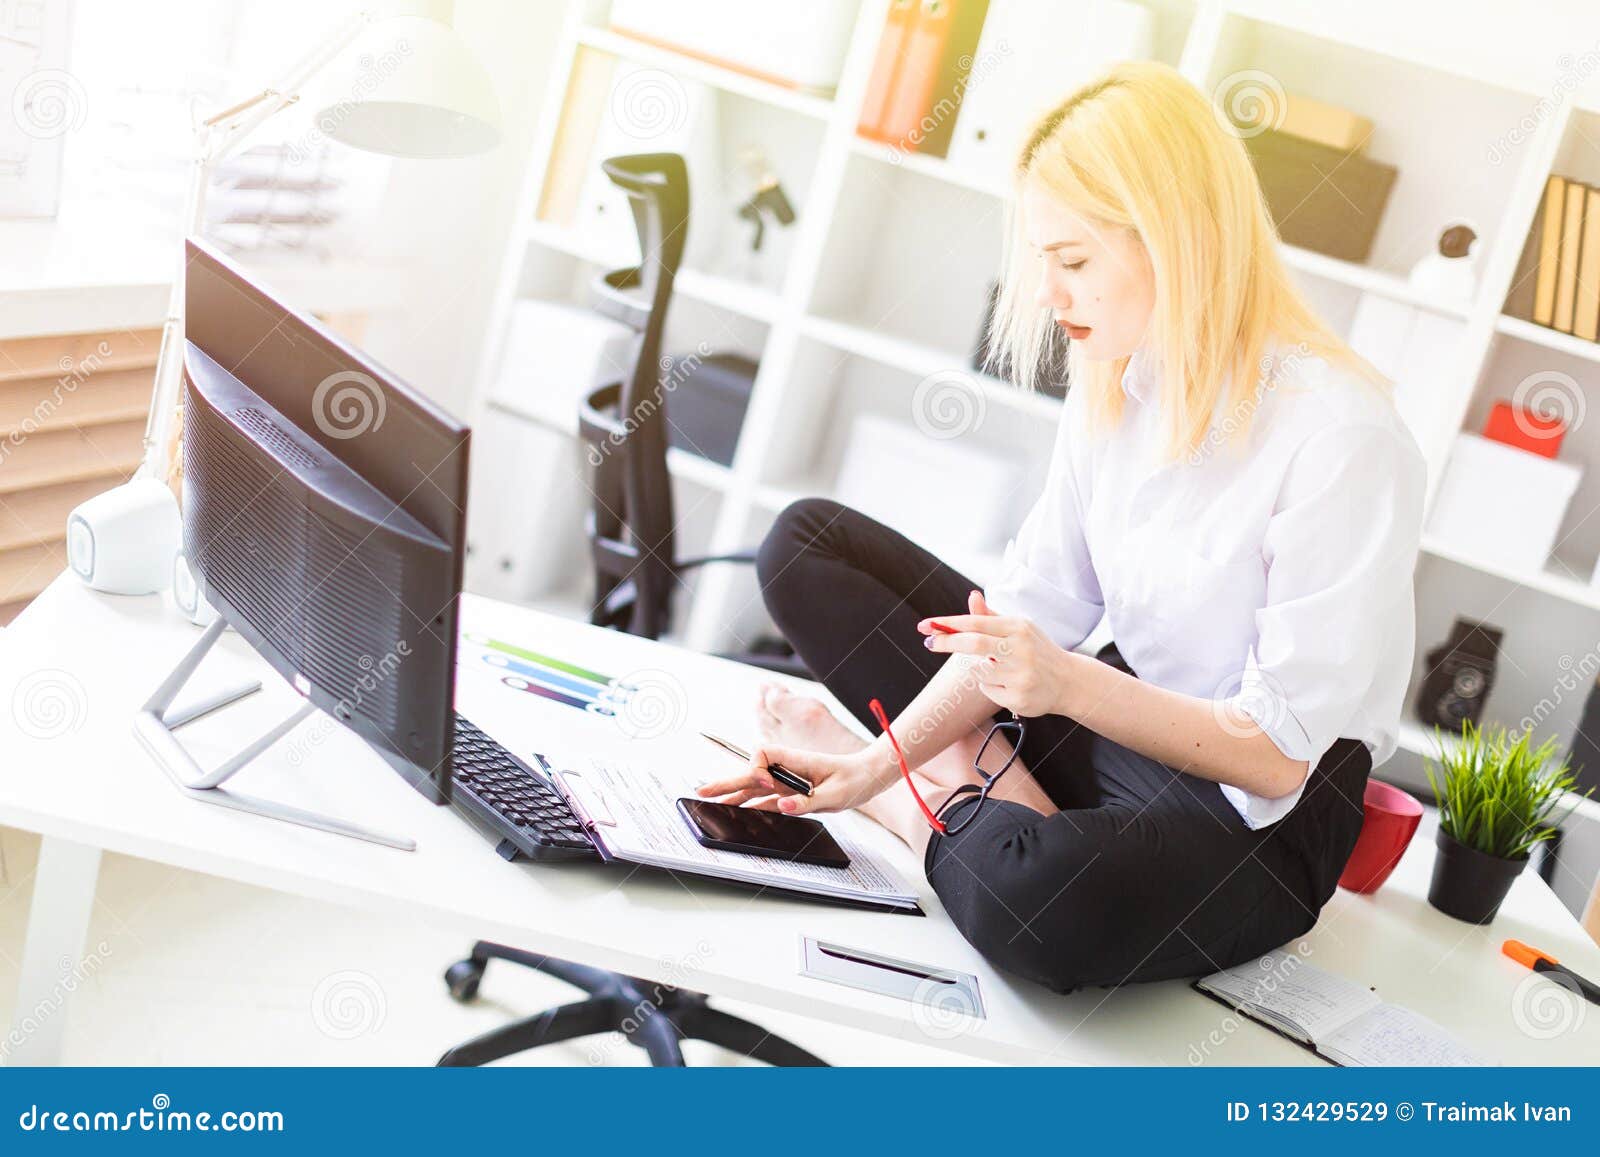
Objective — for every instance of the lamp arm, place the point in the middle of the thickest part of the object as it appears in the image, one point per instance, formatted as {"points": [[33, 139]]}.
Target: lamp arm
{"points": [[215, 138]]}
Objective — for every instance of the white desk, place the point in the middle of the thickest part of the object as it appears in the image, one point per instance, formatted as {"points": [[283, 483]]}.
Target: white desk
{"points": [[84, 784]]}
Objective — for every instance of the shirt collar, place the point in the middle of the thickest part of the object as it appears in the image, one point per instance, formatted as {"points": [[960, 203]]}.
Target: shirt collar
{"points": [[1141, 380]]}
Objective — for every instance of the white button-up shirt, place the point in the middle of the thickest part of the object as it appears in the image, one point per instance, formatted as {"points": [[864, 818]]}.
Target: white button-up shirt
{"points": [[1272, 569]]}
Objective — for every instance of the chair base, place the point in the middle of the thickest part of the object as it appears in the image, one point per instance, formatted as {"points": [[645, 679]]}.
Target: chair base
{"points": [[655, 1017]]}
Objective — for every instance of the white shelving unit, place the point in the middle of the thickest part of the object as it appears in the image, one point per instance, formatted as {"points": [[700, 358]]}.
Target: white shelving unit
{"points": [[887, 266]]}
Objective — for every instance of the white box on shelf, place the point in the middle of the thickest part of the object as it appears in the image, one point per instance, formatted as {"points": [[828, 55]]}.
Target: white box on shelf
{"points": [[649, 111], [525, 534], [798, 45], [947, 497], [1501, 504], [1012, 82], [555, 354]]}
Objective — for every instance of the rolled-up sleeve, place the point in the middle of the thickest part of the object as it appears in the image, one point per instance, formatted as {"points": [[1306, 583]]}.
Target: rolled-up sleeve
{"points": [[1340, 549], [1046, 575]]}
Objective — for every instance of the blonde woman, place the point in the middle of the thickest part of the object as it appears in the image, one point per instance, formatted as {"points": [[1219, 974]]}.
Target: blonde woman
{"points": [[1230, 488]]}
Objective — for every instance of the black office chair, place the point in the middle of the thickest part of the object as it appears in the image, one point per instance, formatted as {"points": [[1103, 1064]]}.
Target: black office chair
{"points": [[630, 529], [624, 424], [656, 1017]]}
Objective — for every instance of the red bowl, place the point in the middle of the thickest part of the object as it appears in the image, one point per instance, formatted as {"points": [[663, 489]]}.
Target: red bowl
{"points": [[1390, 818]]}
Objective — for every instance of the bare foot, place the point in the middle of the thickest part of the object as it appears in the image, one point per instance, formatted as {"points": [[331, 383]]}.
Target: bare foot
{"points": [[799, 721]]}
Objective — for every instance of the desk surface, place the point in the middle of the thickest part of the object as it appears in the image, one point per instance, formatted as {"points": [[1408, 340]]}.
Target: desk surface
{"points": [[74, 771]]}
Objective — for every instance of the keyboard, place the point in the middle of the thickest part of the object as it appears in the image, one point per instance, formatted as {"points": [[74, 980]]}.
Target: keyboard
{"points": [[518, 802]]}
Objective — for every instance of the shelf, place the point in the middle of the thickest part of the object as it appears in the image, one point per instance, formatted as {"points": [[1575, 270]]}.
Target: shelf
{"points": [[704, 72], [1552, 580], [937, 168], [1419, 740], [925, 361], [1369, 280], [1553, 339], [756, 302]]}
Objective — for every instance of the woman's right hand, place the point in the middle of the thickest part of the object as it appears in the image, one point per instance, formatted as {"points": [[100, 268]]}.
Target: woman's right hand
{"points": [[838, 782]]}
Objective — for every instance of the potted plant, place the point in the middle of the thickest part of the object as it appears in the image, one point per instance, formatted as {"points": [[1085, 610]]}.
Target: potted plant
{"points": [[1497, 795]]}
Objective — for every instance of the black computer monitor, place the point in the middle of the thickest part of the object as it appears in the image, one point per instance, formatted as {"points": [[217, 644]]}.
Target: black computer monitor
{"points": [[324, 514]]}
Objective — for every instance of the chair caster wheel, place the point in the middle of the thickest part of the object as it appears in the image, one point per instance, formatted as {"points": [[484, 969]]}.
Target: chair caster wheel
{"points": [[462, 979]]}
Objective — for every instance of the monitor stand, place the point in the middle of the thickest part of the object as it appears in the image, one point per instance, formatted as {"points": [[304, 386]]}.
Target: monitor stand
{"points": [[157, 722]]}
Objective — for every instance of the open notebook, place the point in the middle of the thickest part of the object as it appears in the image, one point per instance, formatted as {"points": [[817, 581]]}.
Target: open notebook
{"points": [[630, 810], [1336, 1018]]}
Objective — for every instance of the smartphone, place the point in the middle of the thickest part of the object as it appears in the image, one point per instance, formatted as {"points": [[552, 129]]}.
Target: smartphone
{"points": [[762, 833]]}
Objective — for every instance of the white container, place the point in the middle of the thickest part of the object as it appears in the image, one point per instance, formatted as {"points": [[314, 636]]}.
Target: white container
{"points": [[1501, 504], [525, 535], [951, 498], [1013, 80], [554, 355]]}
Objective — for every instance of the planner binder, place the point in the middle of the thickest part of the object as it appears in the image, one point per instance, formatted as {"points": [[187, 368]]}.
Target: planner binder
{"points": [[630, 812]]}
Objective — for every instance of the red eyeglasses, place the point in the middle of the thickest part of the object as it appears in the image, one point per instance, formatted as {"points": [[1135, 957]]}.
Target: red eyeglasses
{"points": [[1012, 729]]}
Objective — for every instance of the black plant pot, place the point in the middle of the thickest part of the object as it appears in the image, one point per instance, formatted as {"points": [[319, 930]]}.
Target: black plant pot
{"points": [[1469, 884]]}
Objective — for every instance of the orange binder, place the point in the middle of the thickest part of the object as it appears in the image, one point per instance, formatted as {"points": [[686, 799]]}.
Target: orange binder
{"points": [[886, 68], [920, 113]]}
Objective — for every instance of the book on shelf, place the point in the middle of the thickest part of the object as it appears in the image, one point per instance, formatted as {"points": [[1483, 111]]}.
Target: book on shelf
{"points": [[1567, 260], [1586, 299], [1557, 281], [1341, 1021]]}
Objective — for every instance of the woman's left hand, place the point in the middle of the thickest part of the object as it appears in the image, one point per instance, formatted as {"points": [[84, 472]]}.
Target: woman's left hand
{"points": [[1019, 668]]}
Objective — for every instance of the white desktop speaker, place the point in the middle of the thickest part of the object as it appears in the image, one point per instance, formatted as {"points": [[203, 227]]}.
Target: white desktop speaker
{"points": [[123, 541]]}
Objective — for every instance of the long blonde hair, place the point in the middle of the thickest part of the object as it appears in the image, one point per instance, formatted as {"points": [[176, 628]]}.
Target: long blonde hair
{"points": [[1141, 148]]}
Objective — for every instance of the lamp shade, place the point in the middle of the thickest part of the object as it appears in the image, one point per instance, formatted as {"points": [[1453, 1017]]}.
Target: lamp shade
{"points": [[416, 91]]}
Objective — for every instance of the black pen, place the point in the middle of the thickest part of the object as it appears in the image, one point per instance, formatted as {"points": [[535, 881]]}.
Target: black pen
{"points": [[780, 773]]}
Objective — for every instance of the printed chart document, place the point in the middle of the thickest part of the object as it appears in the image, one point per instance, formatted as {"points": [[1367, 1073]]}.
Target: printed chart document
{"points": [[633, 815], [1338, 1019]]}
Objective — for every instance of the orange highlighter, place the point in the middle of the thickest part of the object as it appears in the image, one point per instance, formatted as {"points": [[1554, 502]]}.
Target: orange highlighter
{"points": [[1544, 962]]}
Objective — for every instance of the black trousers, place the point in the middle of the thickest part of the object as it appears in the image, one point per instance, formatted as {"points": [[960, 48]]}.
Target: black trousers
{"points": [[1146, 873]]}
